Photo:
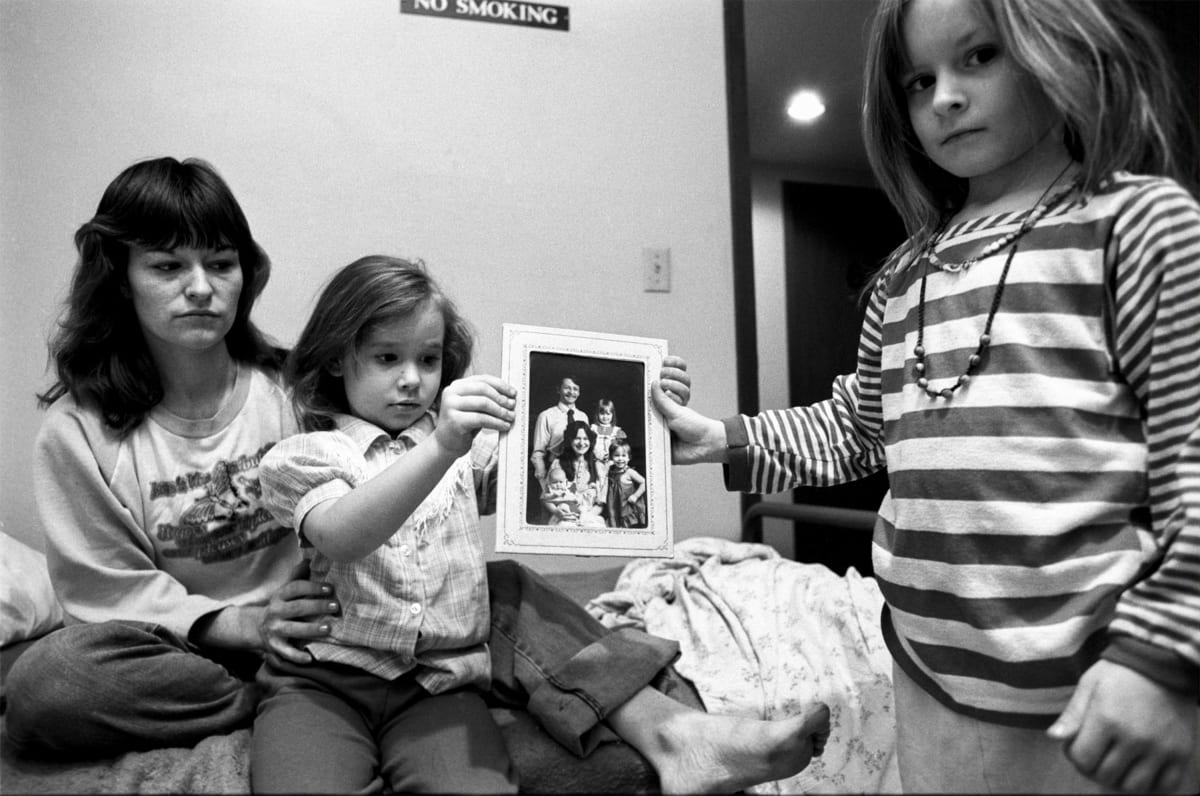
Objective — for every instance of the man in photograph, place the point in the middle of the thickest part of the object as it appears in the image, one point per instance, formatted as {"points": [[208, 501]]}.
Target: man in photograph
{"points": [[548, 429]]}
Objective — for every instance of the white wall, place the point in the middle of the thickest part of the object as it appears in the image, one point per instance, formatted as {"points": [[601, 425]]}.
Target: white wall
{"points": [[527, 167]]}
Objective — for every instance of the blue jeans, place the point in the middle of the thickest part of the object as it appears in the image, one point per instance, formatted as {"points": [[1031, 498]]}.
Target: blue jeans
{"points": [[330, 728], [103, 689]]}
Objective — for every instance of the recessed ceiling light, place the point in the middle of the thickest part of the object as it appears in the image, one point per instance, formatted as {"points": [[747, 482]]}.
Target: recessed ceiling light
{"points": [[805, 106]]}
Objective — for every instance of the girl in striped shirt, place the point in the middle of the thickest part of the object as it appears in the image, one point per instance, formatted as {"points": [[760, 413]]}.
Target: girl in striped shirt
{"points": [[1029, 376]]}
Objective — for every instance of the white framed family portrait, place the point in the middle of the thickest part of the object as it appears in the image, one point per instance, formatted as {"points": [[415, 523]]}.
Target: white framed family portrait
{"points": [[586, 467]]}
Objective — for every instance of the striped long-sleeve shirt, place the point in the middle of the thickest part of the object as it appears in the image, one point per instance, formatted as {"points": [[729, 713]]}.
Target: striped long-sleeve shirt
{"points": [[1049, 511]]}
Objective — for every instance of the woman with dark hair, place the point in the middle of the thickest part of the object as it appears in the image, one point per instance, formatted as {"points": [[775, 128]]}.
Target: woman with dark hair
{"points": [[145, 471], [156, 205], [177, 581], [584, 475]]}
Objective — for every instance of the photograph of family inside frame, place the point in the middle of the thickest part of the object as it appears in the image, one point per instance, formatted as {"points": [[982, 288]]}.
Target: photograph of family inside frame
{"points": [[585, 468]]}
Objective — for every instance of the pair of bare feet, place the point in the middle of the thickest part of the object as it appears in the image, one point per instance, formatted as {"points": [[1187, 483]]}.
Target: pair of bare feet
{"points": [[697, 752]]}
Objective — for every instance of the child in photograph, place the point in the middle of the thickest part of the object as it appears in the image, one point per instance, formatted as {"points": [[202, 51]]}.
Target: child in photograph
{"points": [[385, 490], [1027, 375], [606, 429], [562, 506], [626, 492]]}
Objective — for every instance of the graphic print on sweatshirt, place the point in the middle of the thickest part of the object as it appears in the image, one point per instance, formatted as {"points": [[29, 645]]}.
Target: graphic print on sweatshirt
{"points": [[216, 515]]}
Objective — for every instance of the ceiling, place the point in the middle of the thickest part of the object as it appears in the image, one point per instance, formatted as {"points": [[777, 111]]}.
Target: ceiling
{"points": [[793, 44]]}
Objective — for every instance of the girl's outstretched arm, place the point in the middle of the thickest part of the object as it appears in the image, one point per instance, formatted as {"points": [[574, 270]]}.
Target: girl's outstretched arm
{"points": [[353, 525]]}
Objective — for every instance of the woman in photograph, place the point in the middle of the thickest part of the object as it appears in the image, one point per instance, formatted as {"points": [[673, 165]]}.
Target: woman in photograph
{"points": [[584, 475]]}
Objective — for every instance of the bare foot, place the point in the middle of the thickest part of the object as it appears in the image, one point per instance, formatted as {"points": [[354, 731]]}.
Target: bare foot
{"points": [[725, 754], [698, 752]]}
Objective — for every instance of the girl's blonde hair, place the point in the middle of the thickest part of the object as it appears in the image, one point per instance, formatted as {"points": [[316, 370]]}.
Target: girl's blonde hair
{"points": [[606, 405], [1099, 62]]}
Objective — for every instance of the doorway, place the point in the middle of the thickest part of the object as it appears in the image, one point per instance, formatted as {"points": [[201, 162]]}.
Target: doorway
{"points": [[1177, 20], [835, 238]]}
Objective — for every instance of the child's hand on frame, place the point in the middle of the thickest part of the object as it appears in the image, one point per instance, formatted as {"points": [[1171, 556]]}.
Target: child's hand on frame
{"points": [[694, 437], [471, 404], [1125, 731], [674, 379]]}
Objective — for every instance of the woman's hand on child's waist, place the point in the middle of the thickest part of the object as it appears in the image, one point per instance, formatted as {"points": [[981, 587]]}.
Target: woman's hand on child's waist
{"points": [[297, 613]]}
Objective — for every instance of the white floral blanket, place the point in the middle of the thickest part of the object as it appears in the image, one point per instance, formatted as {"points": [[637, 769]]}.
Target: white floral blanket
{"points": [[761, 636]]}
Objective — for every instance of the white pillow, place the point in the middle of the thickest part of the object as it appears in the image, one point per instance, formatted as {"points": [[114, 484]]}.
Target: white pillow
{"points": [[28, 607]]}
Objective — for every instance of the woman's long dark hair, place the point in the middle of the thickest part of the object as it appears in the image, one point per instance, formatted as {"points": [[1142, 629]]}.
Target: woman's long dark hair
{"points": [[98, 351], [568, 457]]}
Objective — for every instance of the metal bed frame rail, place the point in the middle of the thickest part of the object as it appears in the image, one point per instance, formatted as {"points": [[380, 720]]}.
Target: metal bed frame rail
{"points": [[828, 516]]}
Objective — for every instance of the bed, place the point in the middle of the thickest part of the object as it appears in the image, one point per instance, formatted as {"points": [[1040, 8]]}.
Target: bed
{"points": [[761, 635]]}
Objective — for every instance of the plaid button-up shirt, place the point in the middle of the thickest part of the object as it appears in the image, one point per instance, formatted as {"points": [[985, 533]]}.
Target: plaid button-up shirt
{"points": [[420, 599]]}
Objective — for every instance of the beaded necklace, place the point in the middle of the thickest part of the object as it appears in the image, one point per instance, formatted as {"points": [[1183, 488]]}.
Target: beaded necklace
{"points": [[987, 251], [1035, 214]]}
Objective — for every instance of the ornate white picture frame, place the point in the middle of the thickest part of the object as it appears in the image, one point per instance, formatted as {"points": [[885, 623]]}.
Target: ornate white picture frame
{"points": [[619, 502]]}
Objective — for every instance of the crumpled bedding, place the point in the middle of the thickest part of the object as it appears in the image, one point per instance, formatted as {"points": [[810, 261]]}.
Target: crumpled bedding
{"points": [[218, 764], [221, 763], [761, 636]]}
